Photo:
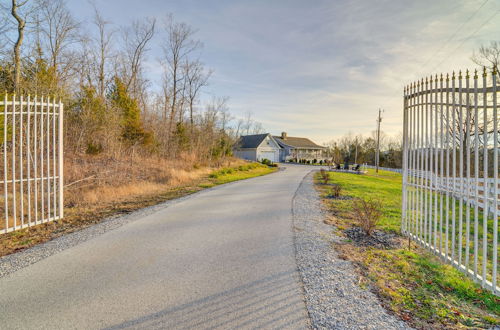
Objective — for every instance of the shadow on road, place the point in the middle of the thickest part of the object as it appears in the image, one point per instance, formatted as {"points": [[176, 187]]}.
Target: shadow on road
{"points": [[271, 302]]}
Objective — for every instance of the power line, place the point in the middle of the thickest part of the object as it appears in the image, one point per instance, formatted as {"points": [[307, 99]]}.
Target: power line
{"points": [[454, 34], [465, 39]]}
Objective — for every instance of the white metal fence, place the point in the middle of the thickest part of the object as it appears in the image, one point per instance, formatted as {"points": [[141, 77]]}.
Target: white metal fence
{"points": [[32, 152], [451, 188]]}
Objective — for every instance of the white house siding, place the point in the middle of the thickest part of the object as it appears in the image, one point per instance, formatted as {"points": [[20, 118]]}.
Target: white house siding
{"points": [[247, 154], [272, 155]]}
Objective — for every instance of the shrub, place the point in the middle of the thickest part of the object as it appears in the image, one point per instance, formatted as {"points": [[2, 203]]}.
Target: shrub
{"points": [[336, 190], [321, 162], [367, 213], [325, 176], [315, 161]]}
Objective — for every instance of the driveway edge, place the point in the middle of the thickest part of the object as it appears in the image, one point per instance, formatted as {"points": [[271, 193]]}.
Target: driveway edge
{"points": [[333, 298]]}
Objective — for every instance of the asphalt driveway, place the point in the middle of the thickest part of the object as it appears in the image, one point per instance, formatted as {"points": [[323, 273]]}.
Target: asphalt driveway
{"points": [[223, 258]]}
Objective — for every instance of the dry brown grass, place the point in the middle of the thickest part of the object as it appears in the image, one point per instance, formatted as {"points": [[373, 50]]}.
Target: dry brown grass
{"points": [[99, 179], [97, 187]]}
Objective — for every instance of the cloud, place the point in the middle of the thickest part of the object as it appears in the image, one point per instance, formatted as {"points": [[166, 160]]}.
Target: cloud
{"points": [[323, 68]]}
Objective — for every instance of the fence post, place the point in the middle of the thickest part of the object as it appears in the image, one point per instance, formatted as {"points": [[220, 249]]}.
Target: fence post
{"points": [[405, 151], [61, 160]]}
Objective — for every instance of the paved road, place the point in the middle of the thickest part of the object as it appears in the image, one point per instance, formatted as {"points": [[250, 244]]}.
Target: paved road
{"points": [[223, 258]]}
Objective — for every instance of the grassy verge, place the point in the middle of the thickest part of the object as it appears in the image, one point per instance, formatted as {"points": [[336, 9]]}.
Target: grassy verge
{"points": [[241, 172], [125, 200], [410, 281]]}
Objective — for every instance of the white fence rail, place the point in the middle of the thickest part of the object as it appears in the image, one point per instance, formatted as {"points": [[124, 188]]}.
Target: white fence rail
{"points": [[451, 190], [32, 154], [390, 169]]}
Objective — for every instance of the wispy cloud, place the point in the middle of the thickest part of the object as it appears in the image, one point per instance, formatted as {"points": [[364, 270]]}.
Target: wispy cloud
{"points": [[323, 68]]}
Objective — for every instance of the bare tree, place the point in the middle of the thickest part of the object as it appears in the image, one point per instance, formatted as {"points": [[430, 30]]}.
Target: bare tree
{"points": [[196, 78], [488, 56], [247, 122], [103, 42], [59, 28], [136, 39], [177, 46]]}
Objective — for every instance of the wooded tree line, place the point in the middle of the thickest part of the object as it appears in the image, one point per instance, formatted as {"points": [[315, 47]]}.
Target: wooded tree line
{"points": [[361, 149], [98, 69]]}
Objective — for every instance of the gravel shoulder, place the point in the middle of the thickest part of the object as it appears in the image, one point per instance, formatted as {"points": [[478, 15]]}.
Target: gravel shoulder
{"points": [[333, 297]]}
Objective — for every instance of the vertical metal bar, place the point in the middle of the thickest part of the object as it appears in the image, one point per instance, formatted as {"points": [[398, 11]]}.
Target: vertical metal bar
{"points": [[47, 136], [476, 176], [430, 188], [495, 181], [405, 160], [42, 185], [467, 169], [421, 167], [5, 164], [454, 168], [28, 155], [436, 164], [14, 202], [21, 164], [54, 169], [485, 176], [417, 160], [461, 166], [413, 114], [441, 164], [426, 164], [447, 182], [61, 160], [35, 156]]}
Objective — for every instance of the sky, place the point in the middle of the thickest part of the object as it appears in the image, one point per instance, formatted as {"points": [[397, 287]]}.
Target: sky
{"points": [[318, 68]]}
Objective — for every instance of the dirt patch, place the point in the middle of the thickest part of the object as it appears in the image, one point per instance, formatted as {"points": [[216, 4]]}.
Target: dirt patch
{"points": [[378, 238]]}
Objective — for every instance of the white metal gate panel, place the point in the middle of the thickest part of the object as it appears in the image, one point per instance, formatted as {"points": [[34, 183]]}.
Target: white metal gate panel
{"points": [[451, 190], [32, 155]]}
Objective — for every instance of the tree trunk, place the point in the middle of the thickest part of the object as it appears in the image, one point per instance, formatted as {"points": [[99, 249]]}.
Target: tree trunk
{"points": [[17, 46]]}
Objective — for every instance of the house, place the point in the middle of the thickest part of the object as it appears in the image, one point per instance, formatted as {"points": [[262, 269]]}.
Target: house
{"points": [[257, 147], [277, 148], [298, 148]]}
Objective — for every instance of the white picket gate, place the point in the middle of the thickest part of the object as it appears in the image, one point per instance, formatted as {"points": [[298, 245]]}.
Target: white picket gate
{"points": [[451, 189], [32, 171]]}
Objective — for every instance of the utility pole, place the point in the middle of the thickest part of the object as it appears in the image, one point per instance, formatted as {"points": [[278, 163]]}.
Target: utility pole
{"points": [[356, 152], [377, 156]]}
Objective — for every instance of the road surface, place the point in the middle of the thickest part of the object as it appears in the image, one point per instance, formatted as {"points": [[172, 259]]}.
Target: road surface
{"points": [[222, 258]]}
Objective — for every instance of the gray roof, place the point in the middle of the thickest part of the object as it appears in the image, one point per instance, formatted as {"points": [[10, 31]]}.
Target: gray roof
{"points": [[297, 142], [251, 141]]}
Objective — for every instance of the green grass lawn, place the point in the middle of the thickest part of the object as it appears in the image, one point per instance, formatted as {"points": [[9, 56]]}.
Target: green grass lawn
{"points": [[385, 186], [413, 283], [230, 174]]}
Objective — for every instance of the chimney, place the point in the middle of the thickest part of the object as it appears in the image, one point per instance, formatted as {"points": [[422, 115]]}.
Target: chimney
{"points": [[283, 135]]}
